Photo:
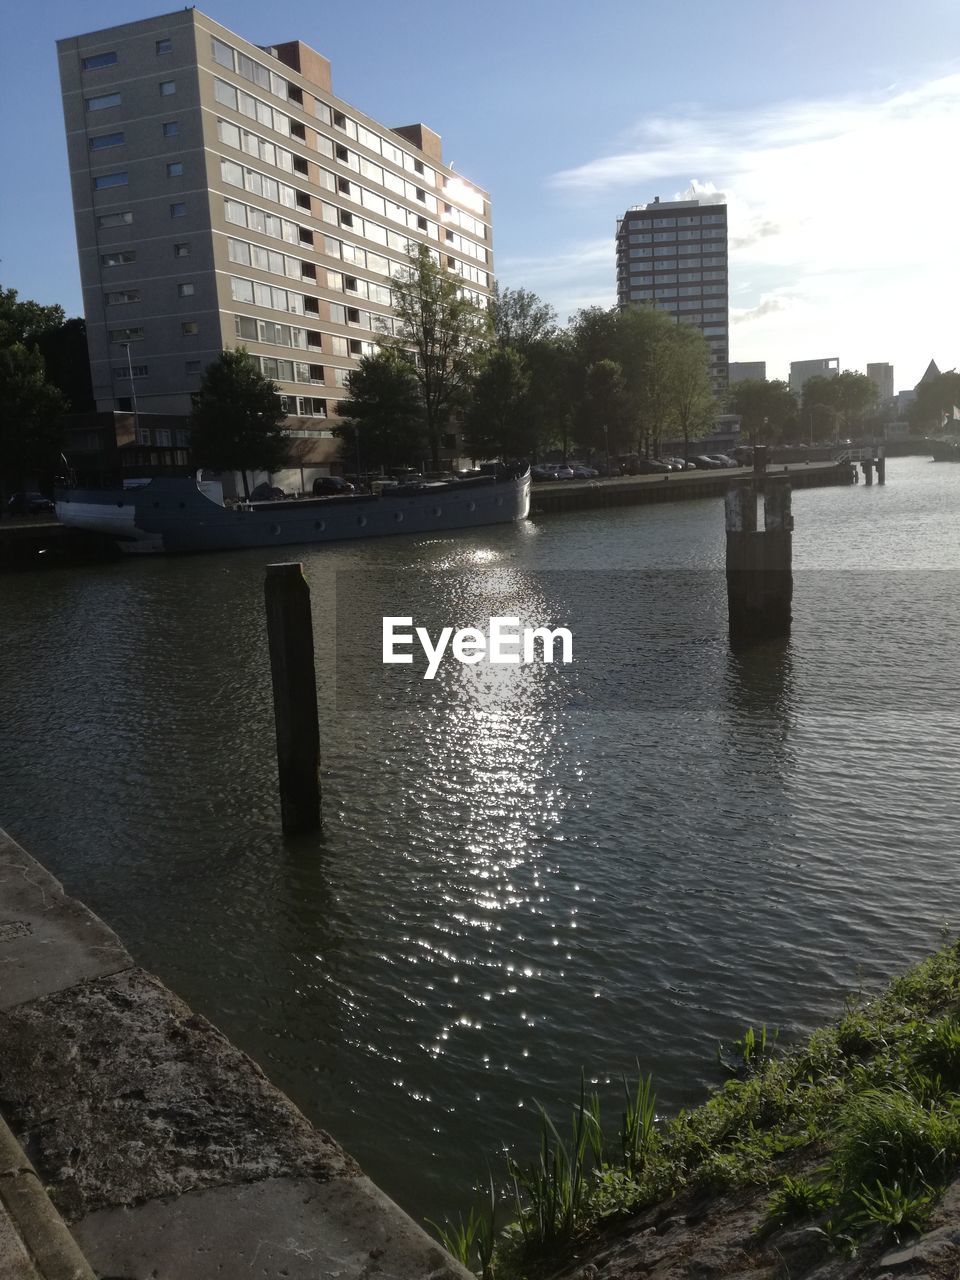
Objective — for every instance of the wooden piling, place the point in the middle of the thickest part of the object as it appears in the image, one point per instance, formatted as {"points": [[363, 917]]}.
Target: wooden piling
{"points": [[759, 562], [867, 467], [290, 635], [881, 468]]}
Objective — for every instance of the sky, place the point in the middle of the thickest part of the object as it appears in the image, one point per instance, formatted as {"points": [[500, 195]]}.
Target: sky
{"points": [[831, 128]]}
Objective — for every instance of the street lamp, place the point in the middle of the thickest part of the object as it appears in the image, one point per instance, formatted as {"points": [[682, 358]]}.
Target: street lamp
{"points": [[133, 393]]}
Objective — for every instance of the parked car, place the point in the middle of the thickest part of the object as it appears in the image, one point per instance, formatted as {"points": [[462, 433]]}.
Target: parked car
{"points": [[580, 472], [265, 492], [703, 462], [564, 473], [651, 466], [542, 471], [28, 504], [324, 485], [724, 459]]}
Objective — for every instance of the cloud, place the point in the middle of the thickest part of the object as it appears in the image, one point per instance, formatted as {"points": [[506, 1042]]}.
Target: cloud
{"points": [[841, 215], [766, 308]]}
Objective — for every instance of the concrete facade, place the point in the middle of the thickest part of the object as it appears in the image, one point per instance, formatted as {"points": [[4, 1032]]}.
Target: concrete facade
{"points": [[672, 254], [801, 371], [881, 375], [741, 370], [223, 195]]}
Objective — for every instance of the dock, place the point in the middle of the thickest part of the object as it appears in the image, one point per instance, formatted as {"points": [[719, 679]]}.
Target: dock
{"points": [[675, 486]]}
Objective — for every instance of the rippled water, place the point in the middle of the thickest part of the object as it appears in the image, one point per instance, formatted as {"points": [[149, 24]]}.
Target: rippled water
{"points": [[520, 874]]}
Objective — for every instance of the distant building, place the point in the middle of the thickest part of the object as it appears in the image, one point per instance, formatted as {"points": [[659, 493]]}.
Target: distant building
{"points": [[741, 370], [225, 196], [881, 375], [672, 254], [929, 374], [801, 371]]}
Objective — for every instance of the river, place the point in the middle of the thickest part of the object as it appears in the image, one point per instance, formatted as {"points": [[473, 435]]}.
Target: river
{"points": [[523, 871]]}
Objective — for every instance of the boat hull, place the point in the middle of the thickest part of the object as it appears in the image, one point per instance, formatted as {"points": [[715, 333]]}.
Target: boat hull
{"points": [[173, 515]]}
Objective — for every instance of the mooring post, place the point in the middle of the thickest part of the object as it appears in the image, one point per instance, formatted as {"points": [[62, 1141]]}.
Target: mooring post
{"points": [[759, 562], [290, 635], [881, 466], [867, 467]]}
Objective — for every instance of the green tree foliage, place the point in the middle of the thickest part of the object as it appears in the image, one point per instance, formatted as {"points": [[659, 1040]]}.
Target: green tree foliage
{"points": [[30, 414], [606, 421], [519, 319], [935, 400], [692, 403], [384, 414], [832, 404], [445, 331], [67, 361], [24, 322], [768, 410], [497, 419], [236, 423]]}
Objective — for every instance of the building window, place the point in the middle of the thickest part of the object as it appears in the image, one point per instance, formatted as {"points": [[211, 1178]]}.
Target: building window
{"points": [[143, 433], [138, 370], [164, 439], [118, 258], [185, 290], [182, 249], [101, 103], [122, 219], [170, 128], [191, 366], [126, 335], [189, 328], [105, 140], [222, 53], [168, 88], [175, 169], [178, 210], [96, 60], [165, 45], [109, 180], [121, 296], [422, 224]]}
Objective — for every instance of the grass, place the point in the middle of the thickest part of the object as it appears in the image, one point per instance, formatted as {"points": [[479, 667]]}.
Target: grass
{"points": [[872, 1103]]}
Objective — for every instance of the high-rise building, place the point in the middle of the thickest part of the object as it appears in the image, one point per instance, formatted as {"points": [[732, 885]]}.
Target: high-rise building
{"points": [[801, 371], [672, 254], [223, 196], [881, 375], [741, 370]]}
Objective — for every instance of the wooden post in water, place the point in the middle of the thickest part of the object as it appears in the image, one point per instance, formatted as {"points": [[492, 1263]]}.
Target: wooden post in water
{"points": [[290, 634], [759, 562], [867, 468], [881, 466]]}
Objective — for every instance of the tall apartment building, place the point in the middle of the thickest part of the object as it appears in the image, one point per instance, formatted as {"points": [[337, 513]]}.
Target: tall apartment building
{"points": [[881, 375], [673, 254], [223, 196], [741, 370], [801, 371]]}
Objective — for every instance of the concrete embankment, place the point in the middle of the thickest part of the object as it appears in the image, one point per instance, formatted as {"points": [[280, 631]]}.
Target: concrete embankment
{"points": [[681, 486], [166, 1151]]}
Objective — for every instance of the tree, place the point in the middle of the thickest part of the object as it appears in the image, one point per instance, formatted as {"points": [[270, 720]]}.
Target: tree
{"points": [[67, 362], [606, 422], [693, 403], [497, 418], [768, 410], [935, 400], [845, 399], [854, 396], [30, 417], [236, 419], [445, 331], [383, 416], [519, 319], [24, 322]]}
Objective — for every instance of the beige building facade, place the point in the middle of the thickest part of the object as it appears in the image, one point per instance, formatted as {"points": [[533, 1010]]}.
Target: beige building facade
{"points": [[224, 196]]}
